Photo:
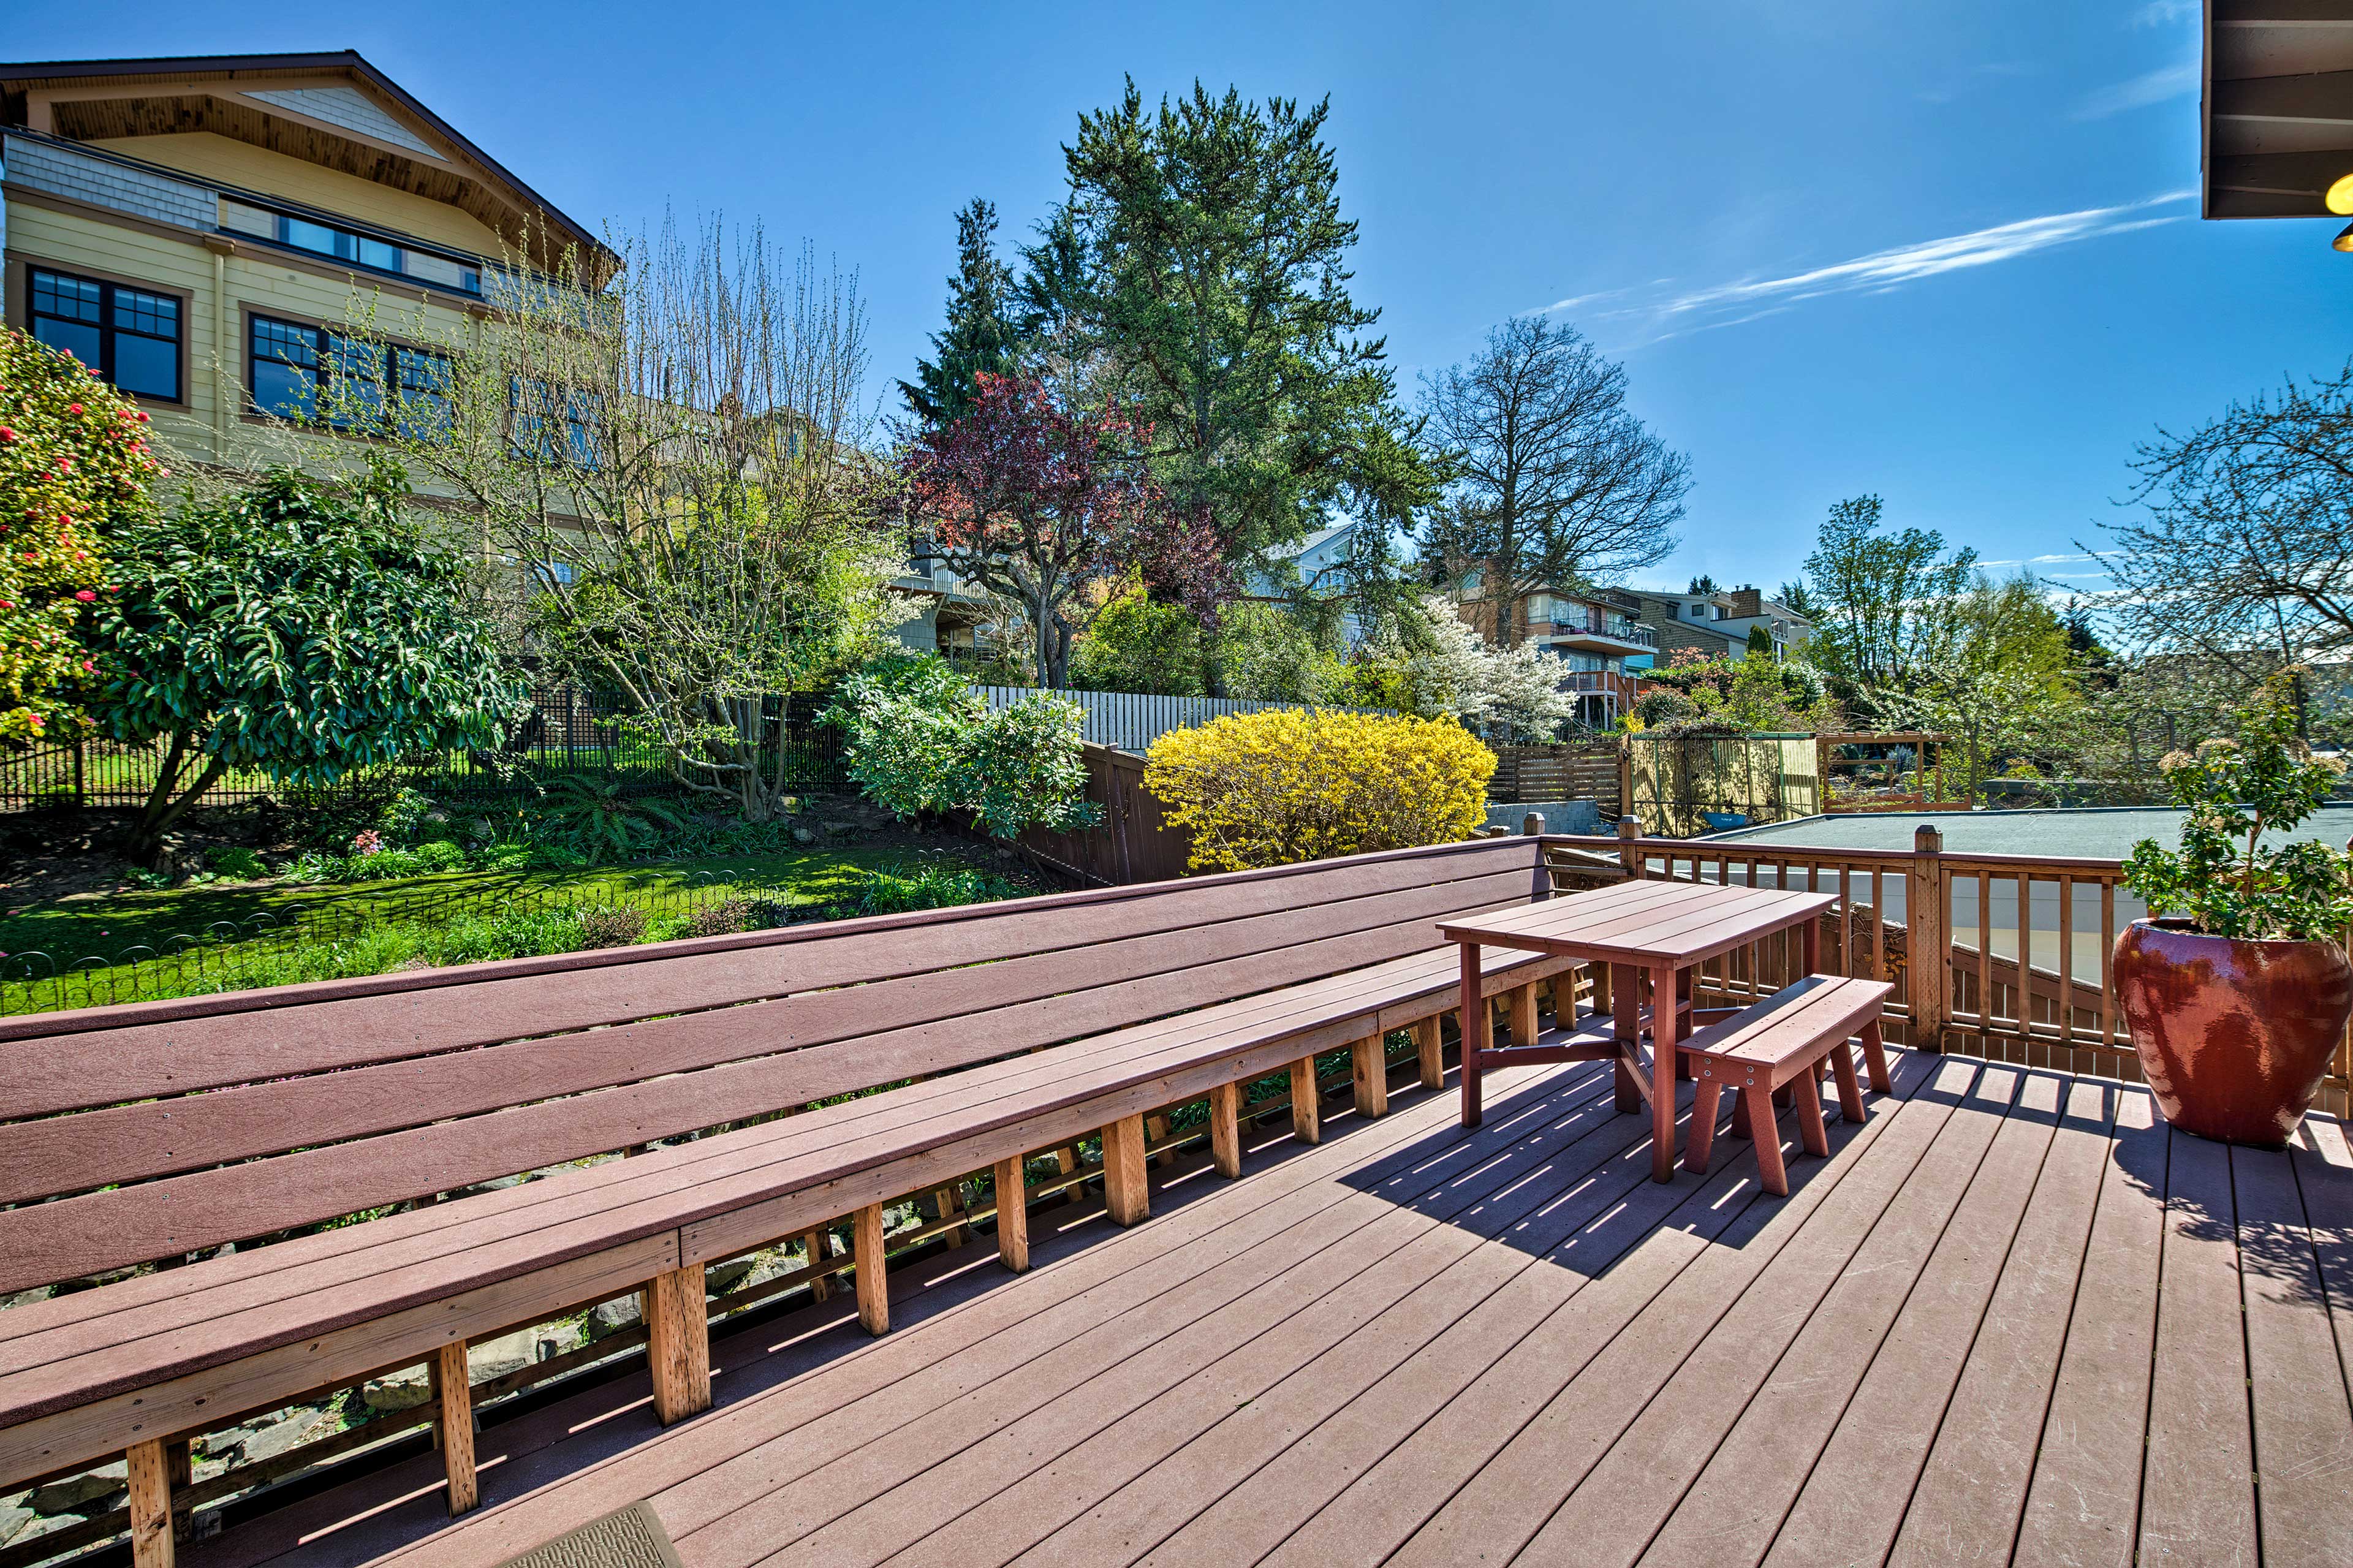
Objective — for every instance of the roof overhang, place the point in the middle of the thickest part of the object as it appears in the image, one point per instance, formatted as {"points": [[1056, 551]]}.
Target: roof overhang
{"points": [[2277, 124], [261, 99]]}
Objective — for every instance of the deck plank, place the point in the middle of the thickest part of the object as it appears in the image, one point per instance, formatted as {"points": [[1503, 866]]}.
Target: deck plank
{"points": [[1414, 1345], [848, 1395], [1164, 1463], [1962, 1503], [1358, 1486], [2198, 1502], [2083, 1505], [2303, 1424], [1607, 1425], [930, 1472], [1966, 1504], [1856, 1396]]}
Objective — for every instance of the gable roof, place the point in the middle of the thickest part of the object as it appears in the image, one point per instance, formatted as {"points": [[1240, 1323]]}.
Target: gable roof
{"points": [[334, 109]]}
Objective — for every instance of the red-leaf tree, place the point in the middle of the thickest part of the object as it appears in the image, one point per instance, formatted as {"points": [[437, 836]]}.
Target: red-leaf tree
{"points": [[1050, 506]]}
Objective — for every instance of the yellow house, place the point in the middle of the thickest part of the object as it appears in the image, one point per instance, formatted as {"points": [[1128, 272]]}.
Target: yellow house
{"points": [[197, 227]]}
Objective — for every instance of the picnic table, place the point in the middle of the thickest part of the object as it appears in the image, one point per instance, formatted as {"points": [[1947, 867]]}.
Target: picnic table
{"points": [[1659, 929]]}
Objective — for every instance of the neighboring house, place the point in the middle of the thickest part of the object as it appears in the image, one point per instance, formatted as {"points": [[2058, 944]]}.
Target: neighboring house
{"points": [[195, 227], [1593, 634], [1716, 625], [952, 617]]}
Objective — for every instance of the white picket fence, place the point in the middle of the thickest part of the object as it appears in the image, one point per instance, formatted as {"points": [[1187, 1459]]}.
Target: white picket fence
{"points": [[1131, 720]]}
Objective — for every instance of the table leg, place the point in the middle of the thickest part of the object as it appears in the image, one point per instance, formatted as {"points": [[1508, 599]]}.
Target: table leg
{"points": [[1811, 946], [1666, 1031], [1626, 1010], [1473, 1017]]}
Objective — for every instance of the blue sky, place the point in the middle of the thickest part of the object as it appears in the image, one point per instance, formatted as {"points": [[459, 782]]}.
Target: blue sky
{"points": [[1945, 253]]}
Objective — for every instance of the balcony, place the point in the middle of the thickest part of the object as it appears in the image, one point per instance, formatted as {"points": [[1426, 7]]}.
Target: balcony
{"points": [[1596, 628]]}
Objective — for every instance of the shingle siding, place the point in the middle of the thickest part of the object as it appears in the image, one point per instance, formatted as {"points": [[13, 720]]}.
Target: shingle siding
{"points": [[44, 166]]}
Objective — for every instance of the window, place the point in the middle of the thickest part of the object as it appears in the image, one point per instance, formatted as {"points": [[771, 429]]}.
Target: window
{"points": [[349, 245], [284, 372], [553, 425], [131, 335]]}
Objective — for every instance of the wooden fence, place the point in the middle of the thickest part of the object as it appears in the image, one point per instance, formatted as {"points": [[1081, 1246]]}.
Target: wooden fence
{"points": [[1133, 842], [1132, 721], [1588, 770], [2027, 941]]}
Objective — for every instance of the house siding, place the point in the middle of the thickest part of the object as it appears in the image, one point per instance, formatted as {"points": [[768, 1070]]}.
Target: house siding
{"points": [[61, 172]]}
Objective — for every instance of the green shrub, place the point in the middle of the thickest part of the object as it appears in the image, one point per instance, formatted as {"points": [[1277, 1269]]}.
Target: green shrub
{"points": [[920, 739], [880, 892], [611, 925], [235, 861]]}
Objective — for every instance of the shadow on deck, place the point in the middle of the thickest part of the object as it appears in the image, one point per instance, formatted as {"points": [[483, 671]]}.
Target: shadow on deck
{"points": [[2011, 1316]]}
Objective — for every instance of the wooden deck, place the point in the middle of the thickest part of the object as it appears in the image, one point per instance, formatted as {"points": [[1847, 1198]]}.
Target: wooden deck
{"points": [[2009, 1320]]}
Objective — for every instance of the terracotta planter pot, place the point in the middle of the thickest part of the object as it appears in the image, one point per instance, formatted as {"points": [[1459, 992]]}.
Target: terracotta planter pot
{"points": [[2235, 1036]]}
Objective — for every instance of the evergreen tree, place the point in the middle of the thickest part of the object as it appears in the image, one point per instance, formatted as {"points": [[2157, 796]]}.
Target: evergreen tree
{"points": [[979, 338], [1213, 291]]}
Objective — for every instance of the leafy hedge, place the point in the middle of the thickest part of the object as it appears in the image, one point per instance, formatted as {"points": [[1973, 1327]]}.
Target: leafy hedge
{"points": [[1272, 788], [74, 465]]}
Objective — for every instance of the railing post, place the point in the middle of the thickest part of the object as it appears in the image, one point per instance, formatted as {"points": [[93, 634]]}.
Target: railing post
{"points": [[1928, 943], [1625, 777], [1630, 828], [1532, 824]]}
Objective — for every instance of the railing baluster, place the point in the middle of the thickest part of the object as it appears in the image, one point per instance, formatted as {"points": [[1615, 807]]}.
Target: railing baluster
{"points": [[2108, 964], [1985, 954], [2067, 967]]}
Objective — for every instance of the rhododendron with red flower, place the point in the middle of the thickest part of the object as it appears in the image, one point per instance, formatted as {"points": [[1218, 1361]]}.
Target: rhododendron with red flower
{"points": [[62, 455], [1053, 507]]}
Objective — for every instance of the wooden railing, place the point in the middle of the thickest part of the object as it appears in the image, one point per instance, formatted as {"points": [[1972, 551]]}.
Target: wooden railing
{"points": [[2028, 972]]}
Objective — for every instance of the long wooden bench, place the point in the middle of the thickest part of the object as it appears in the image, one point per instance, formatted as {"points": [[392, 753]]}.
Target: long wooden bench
{"points": [[677, 1106]]}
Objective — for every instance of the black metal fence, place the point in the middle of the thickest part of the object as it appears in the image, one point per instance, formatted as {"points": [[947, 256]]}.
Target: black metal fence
{"points": [[570, 730]]}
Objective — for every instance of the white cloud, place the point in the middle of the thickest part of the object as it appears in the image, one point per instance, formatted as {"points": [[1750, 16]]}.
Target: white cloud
{"points": [[1883, 270], [1652, 314], [2158, 85]]}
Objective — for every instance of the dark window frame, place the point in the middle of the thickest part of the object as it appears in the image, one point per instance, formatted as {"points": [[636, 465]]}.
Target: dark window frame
{"points": [[327, 347], [109, 329]]}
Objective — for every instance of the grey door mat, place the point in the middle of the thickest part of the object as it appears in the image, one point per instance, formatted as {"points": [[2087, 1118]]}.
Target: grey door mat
{"points": [[631, 1538]]}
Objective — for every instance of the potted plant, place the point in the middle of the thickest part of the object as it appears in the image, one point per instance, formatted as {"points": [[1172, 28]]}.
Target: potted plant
{"points": [[2238, 991]]}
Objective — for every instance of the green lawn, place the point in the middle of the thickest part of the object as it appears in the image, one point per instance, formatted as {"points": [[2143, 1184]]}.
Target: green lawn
{"points": [[213, 937]]}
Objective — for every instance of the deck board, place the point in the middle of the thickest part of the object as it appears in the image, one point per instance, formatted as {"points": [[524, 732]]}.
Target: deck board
{"points": [[1415, 1345]]}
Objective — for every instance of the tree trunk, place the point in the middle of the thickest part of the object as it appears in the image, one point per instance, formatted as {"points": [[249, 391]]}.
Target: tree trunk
{"points": [[166, 803]]}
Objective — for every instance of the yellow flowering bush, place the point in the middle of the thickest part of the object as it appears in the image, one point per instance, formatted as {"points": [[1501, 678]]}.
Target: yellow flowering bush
{"points": [[1285, 786]]}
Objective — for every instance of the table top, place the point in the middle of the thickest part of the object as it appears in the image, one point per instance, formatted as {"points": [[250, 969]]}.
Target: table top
{"points": [[1642, 922]]}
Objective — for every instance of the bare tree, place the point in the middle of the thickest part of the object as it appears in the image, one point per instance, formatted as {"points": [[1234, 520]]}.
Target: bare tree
{"points": [[673, 464], [2247, 551], [1556, 483]]}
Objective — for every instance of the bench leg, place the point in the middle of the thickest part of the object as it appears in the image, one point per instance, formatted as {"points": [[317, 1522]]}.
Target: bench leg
{"points": [[1740, 1114], [180, 1472], [817, 1248], [1811, 1134], [1430, 1052], [1306, 1104], [678, 1344], [1012, 1215], [1523, 1015], [151, 1505], [1226, 1129], [950, 1203], [1757, 1107], [453, 1423], [1875, 1051], [873, 1283], [1126, 1198], [1372, 1065], [1700, 1142], [1850, 1091]]}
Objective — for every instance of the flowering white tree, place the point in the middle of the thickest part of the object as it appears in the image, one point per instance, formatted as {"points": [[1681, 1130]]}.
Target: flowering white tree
{"points": [[1447, 669]]}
